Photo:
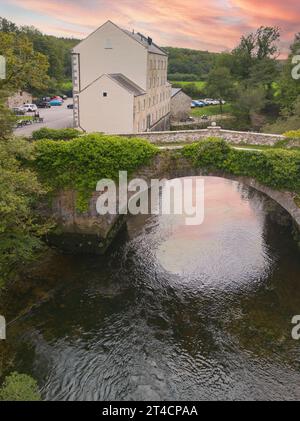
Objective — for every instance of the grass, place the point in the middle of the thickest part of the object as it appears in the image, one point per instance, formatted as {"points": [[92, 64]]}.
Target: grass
{"points": [[211, 110], [24, 117], [199, 84]]}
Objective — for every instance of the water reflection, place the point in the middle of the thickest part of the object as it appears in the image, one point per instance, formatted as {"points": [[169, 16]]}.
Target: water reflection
{"points": [[172, 312]]}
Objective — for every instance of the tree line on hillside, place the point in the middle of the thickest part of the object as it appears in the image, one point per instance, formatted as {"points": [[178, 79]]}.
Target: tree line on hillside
{"points": [[189, 65], [261, 88], [46, 55]]}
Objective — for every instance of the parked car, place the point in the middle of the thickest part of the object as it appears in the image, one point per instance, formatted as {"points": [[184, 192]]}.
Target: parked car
{"points": [[58, 98], [28, 108], [43, 104], [56, 103], [208, 101], [197, 104], [70, 106], [18, 111]]}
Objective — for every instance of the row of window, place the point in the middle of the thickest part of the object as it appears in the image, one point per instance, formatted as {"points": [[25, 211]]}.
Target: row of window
{"points": [[155, 82], [151, 101], [158, 64], [154, 117]]}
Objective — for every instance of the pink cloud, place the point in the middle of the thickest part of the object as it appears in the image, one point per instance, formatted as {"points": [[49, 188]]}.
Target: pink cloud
{"points": [[201, 24]]}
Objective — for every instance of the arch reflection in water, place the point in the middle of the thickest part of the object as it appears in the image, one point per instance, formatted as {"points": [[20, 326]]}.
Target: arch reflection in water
{"points": [[173, 312]]}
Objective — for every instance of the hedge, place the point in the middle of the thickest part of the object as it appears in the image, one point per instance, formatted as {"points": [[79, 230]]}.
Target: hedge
{"points": [[80, 163], [278, 168], [54, 134]]}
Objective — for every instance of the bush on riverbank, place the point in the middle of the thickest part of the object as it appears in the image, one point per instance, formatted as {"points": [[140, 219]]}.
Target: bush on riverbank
{"points": [[80, 163], [53, 134], [20, 226], [19, 387], [278, 168]]}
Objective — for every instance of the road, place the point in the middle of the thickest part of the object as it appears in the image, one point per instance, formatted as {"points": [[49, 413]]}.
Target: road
{"points": [[54, 118]]}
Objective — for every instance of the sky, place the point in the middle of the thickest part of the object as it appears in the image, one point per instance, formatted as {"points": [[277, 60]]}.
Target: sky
{"points": [[213, 25]]}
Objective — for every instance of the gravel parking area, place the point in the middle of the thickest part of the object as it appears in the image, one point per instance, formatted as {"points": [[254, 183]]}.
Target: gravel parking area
{"points": [[54, 118]]}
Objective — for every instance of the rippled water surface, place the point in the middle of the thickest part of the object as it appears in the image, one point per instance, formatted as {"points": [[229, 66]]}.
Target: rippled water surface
{"points": [[172, 312]]}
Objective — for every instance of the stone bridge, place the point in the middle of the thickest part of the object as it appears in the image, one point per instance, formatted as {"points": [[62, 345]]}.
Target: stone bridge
{"points": [[92, 233]]}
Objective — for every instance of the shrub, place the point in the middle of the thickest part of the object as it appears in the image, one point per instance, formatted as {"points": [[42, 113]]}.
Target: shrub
{"points": [[278, 168], [19, 387], [210, 153], [7, 118], [53, 134], [80, 163], [20, 225], [292, 134]]}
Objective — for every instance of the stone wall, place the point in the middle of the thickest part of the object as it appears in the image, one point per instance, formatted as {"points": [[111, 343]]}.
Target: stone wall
{"points": [[163, 124], [19, 99], [187, 136], [180, 106]]}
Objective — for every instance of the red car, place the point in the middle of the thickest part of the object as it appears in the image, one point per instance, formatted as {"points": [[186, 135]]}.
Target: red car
{"points": [[57, 98]]}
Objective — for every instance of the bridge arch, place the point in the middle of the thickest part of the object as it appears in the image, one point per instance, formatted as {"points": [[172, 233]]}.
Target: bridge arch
{"points": [[93, 233]]}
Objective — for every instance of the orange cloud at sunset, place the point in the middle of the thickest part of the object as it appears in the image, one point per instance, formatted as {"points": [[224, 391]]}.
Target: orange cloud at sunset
{"points": [[213, 25]]}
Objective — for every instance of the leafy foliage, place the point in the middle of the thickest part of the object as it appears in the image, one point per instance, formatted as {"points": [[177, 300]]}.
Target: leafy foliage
{"points": [[7, 118], [25, 68], [80, 163], [189, 62], [57, 51], [278, 168], [19, 387], [20, 228], [293, 134], [220, 84], [55, 134]]}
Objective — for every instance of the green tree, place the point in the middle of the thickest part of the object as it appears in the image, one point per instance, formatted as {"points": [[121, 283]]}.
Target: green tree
{"points": [[248, 107], [288, 87], [220, 85], [19, 387], [25, 68], [258, 46], [7, 119], [20, 227]]}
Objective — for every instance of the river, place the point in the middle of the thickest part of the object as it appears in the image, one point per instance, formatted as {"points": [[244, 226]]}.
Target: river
{"points": [[171, 312]]}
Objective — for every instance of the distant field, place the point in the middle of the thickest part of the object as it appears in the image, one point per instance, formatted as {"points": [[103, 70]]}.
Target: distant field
{"points": [[211, 110], [199, 84]]}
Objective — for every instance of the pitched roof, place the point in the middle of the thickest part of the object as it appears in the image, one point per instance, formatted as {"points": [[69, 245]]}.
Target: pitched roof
{"points": [[127, 84], [146, 42], [142, 39], [175, 91]]}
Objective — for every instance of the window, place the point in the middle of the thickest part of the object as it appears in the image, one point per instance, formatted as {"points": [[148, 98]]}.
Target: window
{"points": [[108, 44], [105, 94]]}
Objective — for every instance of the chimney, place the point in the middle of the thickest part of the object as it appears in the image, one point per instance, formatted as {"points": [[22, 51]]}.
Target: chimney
{"points": [[150, 41]]}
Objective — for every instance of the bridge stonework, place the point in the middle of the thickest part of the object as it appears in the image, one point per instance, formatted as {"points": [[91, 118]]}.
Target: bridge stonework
{"points": [[92, 233], [189, 136]]}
